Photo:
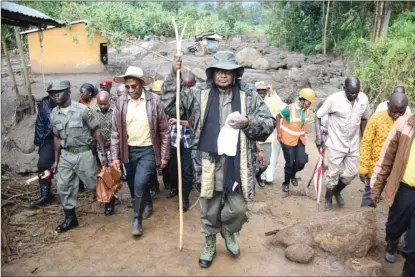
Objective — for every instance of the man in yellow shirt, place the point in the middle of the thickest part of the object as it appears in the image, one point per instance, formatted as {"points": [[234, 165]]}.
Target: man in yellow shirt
{"points": [[140, 136], [395, 173], [374, 137]]}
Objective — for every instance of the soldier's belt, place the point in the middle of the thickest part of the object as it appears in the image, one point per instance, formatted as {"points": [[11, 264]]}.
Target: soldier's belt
{"points": [[77, 150]]}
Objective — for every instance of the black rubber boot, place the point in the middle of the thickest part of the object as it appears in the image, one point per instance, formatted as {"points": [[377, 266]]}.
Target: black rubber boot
{"points": [[70, 221], [329, 199], [186, 203], [286, 184], [110, 207], [294, 181], [45, 196], [148, 209], [260, 182], [408, 270], [337, 193], [391, 250], [137, 225]]}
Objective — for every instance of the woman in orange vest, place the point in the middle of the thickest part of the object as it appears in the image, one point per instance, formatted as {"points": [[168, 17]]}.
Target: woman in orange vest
{"points": [[292, 124]]}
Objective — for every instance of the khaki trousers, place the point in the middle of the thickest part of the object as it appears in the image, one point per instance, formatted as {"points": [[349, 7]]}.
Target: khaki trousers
{"points": [[222, 211], [339, 166]]}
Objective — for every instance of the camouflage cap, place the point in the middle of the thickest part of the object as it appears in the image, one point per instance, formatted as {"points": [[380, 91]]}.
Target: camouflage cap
{"points": [[59, 85]]}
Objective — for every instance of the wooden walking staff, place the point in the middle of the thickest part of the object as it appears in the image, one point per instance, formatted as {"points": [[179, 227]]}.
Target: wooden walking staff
{"points": [[179, 133]]}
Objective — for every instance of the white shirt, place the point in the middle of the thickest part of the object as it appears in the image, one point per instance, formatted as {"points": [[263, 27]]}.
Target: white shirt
{"points": [[384, 106], [344, 120]]}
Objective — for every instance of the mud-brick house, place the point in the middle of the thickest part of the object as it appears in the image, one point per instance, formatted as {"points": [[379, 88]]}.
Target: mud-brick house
{"points": [[66, 50]]}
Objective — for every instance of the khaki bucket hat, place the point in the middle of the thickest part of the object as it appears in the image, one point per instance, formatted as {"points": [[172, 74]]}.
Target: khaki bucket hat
{"points": [[224, 60], [135, 72]]}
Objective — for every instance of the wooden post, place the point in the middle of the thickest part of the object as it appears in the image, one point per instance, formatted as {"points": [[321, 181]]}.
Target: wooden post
{"points": [[25, 72], [9, 65]]}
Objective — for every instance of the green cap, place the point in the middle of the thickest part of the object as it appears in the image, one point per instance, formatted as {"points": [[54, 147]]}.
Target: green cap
{"points": [[59, 85]]}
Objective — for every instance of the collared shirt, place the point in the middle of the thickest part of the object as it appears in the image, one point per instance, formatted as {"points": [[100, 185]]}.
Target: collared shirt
{"points": [[185, 136], [74, 127], [138, 128], [409, 174], [104, 120], [384, 107], [344, 120], [286, 113], [374, 138]]}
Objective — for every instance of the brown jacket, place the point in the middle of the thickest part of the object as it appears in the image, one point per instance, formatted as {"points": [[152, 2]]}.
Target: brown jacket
{"points": [[159, 129], [392, 162]]}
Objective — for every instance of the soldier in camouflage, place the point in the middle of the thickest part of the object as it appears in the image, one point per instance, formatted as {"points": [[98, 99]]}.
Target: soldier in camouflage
{"points": [[227, 183]]}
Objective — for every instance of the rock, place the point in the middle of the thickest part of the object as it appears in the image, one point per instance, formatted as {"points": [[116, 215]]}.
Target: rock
{"points": [[295, 60], [337, 82], [325, 90], [298, 253], [337, 64], [163, 53], [349, 235], [296, 234], [364, 267], [260, 63], [247, 56], [22, 135]]}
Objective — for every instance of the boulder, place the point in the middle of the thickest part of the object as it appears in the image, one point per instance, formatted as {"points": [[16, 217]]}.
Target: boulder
{"points": [[23, 134], [298, 253], [296, 234], [295, 60], [199, 73], [247, 56], [349, 235], [260, 63]]}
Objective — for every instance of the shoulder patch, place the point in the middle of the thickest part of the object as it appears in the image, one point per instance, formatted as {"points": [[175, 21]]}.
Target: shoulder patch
{"points": [[89, 113]]}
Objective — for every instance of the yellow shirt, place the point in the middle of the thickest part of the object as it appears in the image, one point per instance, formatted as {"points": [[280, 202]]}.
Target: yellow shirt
{"points": [[409, 174], [138, 128], [374, 137], [275, 105]]}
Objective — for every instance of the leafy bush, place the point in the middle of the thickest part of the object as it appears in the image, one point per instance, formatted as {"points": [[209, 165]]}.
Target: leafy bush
{"points": [[388, 62]]}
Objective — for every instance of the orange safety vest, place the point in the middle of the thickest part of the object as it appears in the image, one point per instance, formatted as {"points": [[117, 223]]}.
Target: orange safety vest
{"points": [[292, 132]]}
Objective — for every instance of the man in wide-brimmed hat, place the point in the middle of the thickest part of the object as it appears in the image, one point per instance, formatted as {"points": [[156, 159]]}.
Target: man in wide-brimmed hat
{"points": [[227, 182], [141, 137]]}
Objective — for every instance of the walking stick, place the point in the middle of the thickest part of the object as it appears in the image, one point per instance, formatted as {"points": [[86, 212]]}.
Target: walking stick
{"points": [[179, 163]]}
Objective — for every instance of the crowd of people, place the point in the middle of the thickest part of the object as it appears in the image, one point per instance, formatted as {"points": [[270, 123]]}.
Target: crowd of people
{"points": [[231, 137]]}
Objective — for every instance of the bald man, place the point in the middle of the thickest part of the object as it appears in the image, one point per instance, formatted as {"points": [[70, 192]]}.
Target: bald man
{"points": [[348, 112], [374, 138], [384, 105]]}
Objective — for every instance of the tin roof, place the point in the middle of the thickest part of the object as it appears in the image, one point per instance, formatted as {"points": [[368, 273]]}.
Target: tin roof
{"points": [[51, 27], [18, 15]]}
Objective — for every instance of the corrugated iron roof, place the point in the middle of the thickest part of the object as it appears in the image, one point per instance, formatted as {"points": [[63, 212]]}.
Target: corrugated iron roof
{"points": [[26, 11], [51, 27]]}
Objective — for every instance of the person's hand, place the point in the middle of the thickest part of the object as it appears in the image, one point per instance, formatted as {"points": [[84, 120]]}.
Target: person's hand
{"points": [[279, 136], [177, 62], [270, 90], [54, 166], [238, 122], [172, 121], [37, 148], [325, 131], [375, 200], [164, 163], [319, 141], [363, 178], [261, 158], [116, 164]]}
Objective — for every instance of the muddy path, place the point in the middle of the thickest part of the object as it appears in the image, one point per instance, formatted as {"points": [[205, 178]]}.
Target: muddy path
{"points": [[103, 245]]}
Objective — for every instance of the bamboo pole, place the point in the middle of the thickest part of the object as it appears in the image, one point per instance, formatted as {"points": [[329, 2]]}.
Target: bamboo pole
{"points": [[178, 137], [25, 72], [9, 65]]}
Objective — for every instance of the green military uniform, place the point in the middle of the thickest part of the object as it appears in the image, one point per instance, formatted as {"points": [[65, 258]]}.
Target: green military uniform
{"points": [[74, 127]]}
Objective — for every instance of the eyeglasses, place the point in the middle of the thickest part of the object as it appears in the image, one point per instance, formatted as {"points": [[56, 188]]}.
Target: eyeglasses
{"points": [[223, 72], [133, 87]]}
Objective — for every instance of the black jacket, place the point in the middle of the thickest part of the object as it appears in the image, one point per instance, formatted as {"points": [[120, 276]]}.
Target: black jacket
{"points": [[43, 122]]}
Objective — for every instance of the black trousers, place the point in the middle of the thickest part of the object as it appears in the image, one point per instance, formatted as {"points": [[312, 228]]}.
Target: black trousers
{"points": [[143, 164], [187, 169], [401, 219], [46, 159], [295, 159]]}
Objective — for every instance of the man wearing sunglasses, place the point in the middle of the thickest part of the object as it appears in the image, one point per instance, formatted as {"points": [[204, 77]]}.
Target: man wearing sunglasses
{"points": [[140, 136]]}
